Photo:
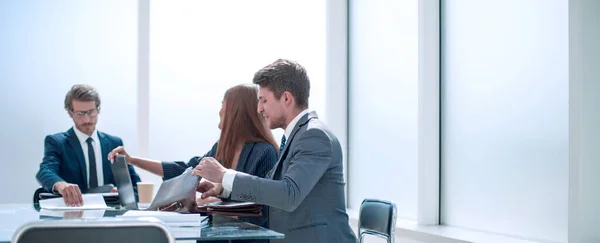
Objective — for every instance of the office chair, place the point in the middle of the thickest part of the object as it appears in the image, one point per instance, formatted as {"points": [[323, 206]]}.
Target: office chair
{"points": [[36, 194], [378, 218], [104, 230]]}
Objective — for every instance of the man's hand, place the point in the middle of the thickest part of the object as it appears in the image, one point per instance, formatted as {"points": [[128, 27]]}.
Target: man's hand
{"points": [[209, 168], [203, 201], [114, 189], [209, 189], [70, 192], [118, 151], [73, 214]]}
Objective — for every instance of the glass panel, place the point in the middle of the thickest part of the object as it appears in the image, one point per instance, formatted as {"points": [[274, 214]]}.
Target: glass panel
{"points": [[383, 103], [505, 117]]}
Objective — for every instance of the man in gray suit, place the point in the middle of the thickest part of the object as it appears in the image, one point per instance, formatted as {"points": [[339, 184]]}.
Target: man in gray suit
{"points": [[305, 189]]}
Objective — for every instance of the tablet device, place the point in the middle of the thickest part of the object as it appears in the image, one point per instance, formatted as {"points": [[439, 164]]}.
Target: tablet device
{"points": [[124, 185]]}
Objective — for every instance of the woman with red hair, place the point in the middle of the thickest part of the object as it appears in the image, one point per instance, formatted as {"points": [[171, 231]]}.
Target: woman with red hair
{"points": [[246, 144]]}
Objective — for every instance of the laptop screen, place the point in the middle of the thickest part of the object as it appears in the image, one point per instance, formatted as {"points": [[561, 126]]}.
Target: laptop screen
{"points": [[124, 184]]}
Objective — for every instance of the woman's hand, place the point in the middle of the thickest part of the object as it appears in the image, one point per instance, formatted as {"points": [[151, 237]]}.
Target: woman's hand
{"points": [[119, 151]]}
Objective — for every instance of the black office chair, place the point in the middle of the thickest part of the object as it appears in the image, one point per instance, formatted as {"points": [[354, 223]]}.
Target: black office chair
{"points": [[378, 218], [94, 231], [36, 194]]}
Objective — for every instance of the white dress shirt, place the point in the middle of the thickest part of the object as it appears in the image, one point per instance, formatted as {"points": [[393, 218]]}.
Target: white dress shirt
{"points": [[229, 176], [82, 137]]}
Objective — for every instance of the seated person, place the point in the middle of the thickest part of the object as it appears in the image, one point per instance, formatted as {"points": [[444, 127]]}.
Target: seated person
{"points": [[77, 160], [245, 144], [305, 191]]}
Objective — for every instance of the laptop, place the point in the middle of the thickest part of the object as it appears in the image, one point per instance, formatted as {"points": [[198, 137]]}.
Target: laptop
{"points": [[124, 185]]}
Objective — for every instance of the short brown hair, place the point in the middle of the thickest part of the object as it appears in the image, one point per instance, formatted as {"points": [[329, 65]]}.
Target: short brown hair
{"points": [[81, 92], [285, 75]]}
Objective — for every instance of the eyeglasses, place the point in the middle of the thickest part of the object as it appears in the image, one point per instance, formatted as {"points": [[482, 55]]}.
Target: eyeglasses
{"points": [[81, 114]]}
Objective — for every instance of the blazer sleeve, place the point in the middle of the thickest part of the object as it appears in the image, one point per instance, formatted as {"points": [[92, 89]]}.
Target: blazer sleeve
{"points": [[174, 168], [47, 175], [310, 161], [264, 161]]}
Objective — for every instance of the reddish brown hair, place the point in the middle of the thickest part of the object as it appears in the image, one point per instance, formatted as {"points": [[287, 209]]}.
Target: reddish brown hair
{"points": [[241, 123]]}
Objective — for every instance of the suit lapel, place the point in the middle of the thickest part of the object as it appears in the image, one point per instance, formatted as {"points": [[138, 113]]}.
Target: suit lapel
{"points": [[277, 172], [106, 170], [76, 146]]}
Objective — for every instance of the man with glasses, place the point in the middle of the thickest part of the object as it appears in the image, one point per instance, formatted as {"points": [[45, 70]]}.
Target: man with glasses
{"points": [[77, 160]]}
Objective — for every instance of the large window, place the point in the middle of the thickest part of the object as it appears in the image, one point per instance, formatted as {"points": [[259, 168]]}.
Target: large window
{"points": [[383, 103], [46, 47], [505, 117], [199, 49]]}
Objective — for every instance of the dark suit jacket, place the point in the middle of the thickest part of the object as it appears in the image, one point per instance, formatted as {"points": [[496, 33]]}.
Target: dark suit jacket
{"points": [[255, 159], [305, 189], [64, 161]]}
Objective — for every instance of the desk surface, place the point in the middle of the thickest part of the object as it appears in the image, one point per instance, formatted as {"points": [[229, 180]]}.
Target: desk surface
{"points": [[13, 216]]}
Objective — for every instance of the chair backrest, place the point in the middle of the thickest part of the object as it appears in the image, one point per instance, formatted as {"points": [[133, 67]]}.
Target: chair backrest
{"points": [[36, 194], [377, 217], [94, 231]]}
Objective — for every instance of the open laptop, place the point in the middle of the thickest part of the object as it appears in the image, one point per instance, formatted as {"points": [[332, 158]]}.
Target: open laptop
{"points": [[124, 185]]}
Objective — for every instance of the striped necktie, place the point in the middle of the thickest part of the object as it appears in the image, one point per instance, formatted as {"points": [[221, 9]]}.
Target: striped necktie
{"points": [[281, 147]]}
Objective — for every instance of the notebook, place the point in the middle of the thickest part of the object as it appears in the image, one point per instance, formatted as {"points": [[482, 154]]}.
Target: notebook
{"points": [[232, 208]]}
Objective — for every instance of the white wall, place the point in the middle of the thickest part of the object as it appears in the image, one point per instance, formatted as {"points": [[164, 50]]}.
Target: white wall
{"points": [[336, 90], [383, 103], [46, 48], [584, 104]]}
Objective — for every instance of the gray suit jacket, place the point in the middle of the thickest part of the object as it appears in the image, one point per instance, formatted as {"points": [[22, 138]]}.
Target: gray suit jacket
{"points": [[305, 189]]}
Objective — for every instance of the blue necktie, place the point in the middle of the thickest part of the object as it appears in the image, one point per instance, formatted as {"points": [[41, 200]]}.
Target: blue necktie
{"points": [[281, 147], [92, 164]]}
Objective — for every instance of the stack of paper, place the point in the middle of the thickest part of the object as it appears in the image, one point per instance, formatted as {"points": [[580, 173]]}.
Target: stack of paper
{"points": [[172, 219], [73, 214], [90, 201], [186, 232]]}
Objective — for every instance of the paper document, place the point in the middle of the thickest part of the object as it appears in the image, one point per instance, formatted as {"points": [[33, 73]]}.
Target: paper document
{"points": [[90, 201], [73, 214], [186, 232], [169, 218]]}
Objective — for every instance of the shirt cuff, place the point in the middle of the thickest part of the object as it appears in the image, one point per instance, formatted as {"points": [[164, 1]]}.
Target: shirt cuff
{"points": [[228, 179], [53, 189]]}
